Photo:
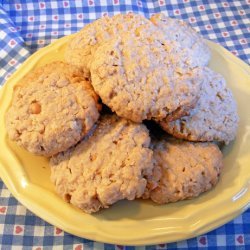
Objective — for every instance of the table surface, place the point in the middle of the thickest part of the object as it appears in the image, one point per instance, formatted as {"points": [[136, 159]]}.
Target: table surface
{"points": [[26, 26]]}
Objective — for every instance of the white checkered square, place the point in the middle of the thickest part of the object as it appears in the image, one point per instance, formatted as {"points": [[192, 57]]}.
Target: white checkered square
{"points": [[92, 16], [247, 52], [213, 6], [230, 13], [150, 4], [221, 240], [78, 4], [30, 6], [54, 5], [67, 17], [1, 229], [4, 192], [42, 18], [60, 247], [212, 36], [221, 25], [229, 43], [2, 34], [21, 210], [3, 53], [238, 32], [38, 231], [189, 10], [236, 3], [204, 18]]}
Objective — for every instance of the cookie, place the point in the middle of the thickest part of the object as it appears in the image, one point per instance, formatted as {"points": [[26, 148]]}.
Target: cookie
{"points": [[142, 78], [188, 169], [152, 180], [53, 107], [111, 164], [189, 39], [215, 116], [81, 48]]}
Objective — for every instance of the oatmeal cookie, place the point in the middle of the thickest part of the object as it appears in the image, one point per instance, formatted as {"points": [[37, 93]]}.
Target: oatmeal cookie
{"points": [[53, 107], [81, 48], [189, 39], [141, 78], [215, 116], [188, 169], [111, 164]]}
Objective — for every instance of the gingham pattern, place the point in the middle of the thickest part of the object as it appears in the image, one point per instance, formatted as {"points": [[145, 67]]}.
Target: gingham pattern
{"points": [[19, 227], [31, 25], [12, 47], [26, 26]]}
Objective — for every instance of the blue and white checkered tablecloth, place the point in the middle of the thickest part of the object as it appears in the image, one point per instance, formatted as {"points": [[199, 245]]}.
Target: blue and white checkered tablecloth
{"points": [[26, 26]]}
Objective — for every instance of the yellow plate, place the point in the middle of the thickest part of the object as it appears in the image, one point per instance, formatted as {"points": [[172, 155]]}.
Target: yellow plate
{"points": [[138, 222]]}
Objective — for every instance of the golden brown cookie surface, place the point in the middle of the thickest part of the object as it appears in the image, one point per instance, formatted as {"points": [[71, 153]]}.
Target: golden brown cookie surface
{"points": [[53, 107], [214, 117], [142, 78], [188, 169], [110, 165]]}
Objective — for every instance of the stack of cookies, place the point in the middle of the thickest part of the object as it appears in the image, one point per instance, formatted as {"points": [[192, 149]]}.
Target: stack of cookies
{"points": [[133, 112]]}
